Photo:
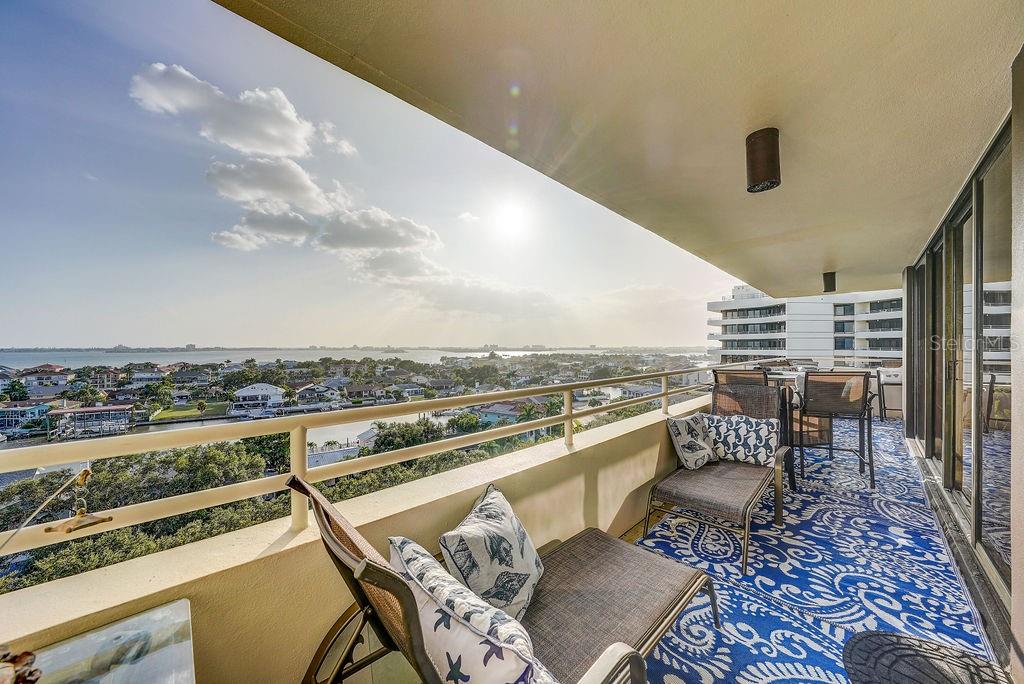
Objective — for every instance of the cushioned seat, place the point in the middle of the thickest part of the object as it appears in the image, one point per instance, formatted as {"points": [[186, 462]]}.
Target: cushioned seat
{"points": [[597, 590], [725, 489]]}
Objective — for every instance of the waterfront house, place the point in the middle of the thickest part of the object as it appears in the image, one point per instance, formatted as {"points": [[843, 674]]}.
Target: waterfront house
{"points": [[257, 397], [6, 378], [338, 382], [14, 414], [131, 394], [47, 380], [199, 377], [492, 413], [363, 392], [106, 378], [407, 389], [316, 393], [141, 378], [441, 385], [181, 397]]}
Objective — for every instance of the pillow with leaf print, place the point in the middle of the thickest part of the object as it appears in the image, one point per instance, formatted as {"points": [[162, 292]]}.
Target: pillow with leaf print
{"points": [[466, 639], [744, 439], [692, 440], [491, 554]]}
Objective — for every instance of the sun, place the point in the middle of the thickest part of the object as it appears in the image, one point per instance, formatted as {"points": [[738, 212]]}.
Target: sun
{"points": [[511, 221]]}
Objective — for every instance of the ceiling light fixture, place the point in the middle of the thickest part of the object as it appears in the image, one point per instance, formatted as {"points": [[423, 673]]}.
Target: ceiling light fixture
{"points": [[763, 171]]}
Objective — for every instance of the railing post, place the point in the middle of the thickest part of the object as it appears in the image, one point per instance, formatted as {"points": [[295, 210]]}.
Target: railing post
{"points": [[299, 465], [664, 391], [567, 400]]}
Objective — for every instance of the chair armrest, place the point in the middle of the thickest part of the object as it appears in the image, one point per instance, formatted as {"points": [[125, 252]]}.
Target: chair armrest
{"points": [[781, 454], [618, 664]]}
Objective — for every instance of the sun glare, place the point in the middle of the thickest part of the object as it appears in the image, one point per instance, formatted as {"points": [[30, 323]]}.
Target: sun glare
{"points": [[510, 222]]}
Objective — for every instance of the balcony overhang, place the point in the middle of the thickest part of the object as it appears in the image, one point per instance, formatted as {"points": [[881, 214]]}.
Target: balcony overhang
{"points": [[883, 110]]}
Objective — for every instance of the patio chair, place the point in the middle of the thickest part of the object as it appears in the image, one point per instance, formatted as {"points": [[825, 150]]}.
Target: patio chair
{"points": [[600, 607], [840, 394], [881, 383], [730, 490], [758, 376]]}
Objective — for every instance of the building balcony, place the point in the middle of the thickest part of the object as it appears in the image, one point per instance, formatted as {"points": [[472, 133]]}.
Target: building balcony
{"points": [[879, 334], [273, 583]]}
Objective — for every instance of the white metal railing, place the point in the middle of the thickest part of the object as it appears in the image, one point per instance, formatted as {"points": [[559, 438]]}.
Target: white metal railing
{"points": [[48, 455]]}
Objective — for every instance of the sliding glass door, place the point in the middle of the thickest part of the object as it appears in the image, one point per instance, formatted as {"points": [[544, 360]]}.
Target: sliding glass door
{"points": [[958, 357], [992, 416]]}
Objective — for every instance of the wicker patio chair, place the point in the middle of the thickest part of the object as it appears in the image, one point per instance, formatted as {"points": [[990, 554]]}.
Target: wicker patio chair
{"points": [[600, 607], [757, 376], [729, 490], [840, 394]]}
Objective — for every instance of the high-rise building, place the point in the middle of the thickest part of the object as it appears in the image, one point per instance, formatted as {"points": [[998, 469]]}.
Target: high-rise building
{"points": [[750, 325]]}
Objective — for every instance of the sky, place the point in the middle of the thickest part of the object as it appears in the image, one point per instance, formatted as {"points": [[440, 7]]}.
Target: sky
{"points": [[172, 174]]}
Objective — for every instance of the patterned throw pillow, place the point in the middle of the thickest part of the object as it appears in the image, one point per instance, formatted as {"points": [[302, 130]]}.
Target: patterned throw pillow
{"points": [[692, 440], [491, 554], [466, 639], [744, 439]]}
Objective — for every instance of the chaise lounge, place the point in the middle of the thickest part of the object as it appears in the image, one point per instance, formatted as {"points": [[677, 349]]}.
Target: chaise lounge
{"points": [[600, 607]]}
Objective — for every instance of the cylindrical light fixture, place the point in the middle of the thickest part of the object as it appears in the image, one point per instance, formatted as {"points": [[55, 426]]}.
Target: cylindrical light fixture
{"points": [[828, 281], [763, 172]]}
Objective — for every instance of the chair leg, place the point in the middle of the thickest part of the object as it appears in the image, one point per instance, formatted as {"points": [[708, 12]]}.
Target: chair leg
{"points": [[791, 469], [871, 454], [647, 518], [831, 437], [710, 586], [778, 498], [746, 546], [860, 445], [800, 417]]}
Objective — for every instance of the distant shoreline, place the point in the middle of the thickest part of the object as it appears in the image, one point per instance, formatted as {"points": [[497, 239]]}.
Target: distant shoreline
{"points": [[398, 350]]}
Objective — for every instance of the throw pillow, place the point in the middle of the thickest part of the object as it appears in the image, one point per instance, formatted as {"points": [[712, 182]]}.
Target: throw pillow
{"points": [[491, 554], [465, 638], [744, 439], [692, 440]]}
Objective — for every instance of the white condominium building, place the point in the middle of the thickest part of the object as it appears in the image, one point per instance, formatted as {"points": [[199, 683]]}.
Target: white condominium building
{"points": [[750, 325]]}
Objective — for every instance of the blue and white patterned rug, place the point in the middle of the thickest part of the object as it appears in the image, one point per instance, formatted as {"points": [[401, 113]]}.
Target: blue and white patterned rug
{"points": [[848, 560]]}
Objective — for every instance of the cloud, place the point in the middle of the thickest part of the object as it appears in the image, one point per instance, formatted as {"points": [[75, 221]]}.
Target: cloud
{"points": [[271, 185], [257, 122], [244, 242], [375, 230], [284, 204], [339, 145], [258, 229], [400, 267]]}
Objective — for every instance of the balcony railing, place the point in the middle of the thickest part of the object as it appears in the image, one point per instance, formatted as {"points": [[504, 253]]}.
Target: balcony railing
{"points": [[297, 426]]}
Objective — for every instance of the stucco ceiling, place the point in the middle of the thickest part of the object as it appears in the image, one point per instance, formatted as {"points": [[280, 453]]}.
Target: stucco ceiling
{"points": [[884, 108]]}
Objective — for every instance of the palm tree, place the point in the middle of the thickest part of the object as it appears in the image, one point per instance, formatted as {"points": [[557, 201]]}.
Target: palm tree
{"points": [[528, 412], [553, 406]]}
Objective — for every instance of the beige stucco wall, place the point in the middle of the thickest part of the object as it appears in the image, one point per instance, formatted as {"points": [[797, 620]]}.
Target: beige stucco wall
{"points": [[263, 597], [1017, 365]]}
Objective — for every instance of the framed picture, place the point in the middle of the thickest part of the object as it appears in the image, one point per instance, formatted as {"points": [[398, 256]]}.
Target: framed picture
{"points": [[153, 647]]}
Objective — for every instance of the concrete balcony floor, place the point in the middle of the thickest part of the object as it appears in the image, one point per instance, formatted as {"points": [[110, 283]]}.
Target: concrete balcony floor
{"points": [[848, 560]]}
